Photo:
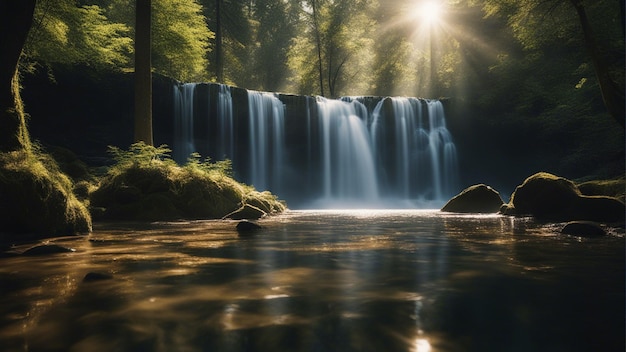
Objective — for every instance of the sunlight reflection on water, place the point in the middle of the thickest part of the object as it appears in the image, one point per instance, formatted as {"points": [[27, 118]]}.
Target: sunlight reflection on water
{"points": [[323, 280]]}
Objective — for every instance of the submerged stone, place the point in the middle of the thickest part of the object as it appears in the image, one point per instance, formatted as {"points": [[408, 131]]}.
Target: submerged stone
{"points": [[45, 249], [93, 276], [475, 199]]}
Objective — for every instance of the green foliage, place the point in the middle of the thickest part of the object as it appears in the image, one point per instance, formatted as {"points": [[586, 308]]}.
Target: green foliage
{"points": [[180, 40], [140, 154], [218, 168], [65, 32], [345, 30]]}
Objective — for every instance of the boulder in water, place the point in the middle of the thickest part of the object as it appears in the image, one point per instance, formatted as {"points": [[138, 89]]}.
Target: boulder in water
{"points": [[583, 229], [475, 199], [247, 227], [551, 198]]}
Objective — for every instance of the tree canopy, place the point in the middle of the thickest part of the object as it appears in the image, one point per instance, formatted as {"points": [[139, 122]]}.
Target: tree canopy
{"points": [[529, 58]]}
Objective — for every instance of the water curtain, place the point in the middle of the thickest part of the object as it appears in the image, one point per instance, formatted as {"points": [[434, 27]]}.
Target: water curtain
{"points": [[318, 152]]}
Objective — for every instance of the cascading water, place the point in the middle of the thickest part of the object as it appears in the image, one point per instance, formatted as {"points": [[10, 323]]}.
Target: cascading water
{"points": [[183, 120], [317, 152], [266, 131], [226, 146], [348, 171], [414, 149]]}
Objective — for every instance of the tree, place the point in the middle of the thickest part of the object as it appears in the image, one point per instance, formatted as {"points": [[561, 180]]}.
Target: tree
{"points": [[15, 21], [230, 20], [272, 25], [180, 36], [318, 44], [612, 93], [219, 42], [30, 183], [538, 24], [143, 73], [337, 37], [65, 32]]}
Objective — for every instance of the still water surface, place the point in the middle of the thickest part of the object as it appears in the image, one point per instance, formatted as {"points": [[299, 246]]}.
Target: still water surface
{"points": [[321, 281]]}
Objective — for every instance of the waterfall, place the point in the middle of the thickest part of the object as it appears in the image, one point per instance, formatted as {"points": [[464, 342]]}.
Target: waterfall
{"points": [[266, 132], [183, 121], [348, 171], [318, 152], [226, 146], [414, 149]]}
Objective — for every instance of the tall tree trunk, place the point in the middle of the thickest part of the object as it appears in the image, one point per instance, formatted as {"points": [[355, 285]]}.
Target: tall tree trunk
{"points": [[16, 18], [612, 95], [143, 73], [318, 42], [219, 56]]}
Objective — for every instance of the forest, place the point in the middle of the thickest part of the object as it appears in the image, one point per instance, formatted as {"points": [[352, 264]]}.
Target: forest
{"points": [[312, 175], [537, 82], [553, 68], [354, 47]]}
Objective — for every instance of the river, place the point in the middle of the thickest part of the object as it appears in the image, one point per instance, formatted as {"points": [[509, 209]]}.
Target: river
{"points": [[348, 280]]}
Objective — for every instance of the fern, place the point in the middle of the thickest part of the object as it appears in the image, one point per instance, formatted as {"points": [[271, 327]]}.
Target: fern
{"points": [[219, 168], [140, 154]]}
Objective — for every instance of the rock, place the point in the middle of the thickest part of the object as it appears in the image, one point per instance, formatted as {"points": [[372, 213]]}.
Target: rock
{"points": [[600, 209], [507, 209], [93, 276], [45, 249], [247, 227], [583, 229], [247, 212], [475, 199], [551, 198]]}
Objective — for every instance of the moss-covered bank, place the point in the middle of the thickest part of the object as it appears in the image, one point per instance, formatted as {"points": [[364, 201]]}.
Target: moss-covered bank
{"points": [[36, 198], [147, 185]]}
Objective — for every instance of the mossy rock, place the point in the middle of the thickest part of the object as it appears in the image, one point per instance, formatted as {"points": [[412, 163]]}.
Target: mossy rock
{"points": [[610, 188], [544, 195], [246, 212], [165, 191], [37, 199], [203, 197], [475, 199], [551, 198], [265, 201]]}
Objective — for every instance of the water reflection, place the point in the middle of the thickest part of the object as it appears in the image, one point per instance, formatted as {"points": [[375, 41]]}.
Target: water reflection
{"points": [[321, 281]]}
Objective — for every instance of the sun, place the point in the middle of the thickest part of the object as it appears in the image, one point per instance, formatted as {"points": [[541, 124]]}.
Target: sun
{"points": [[429, 12]]}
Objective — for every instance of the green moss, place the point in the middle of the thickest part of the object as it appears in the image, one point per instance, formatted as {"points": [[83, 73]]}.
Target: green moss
{"points": [[544, 193], [612, 188], [146, 184], [37, 199]]}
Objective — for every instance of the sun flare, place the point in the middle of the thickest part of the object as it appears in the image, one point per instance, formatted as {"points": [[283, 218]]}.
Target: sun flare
{"points": [[429, 11]]}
